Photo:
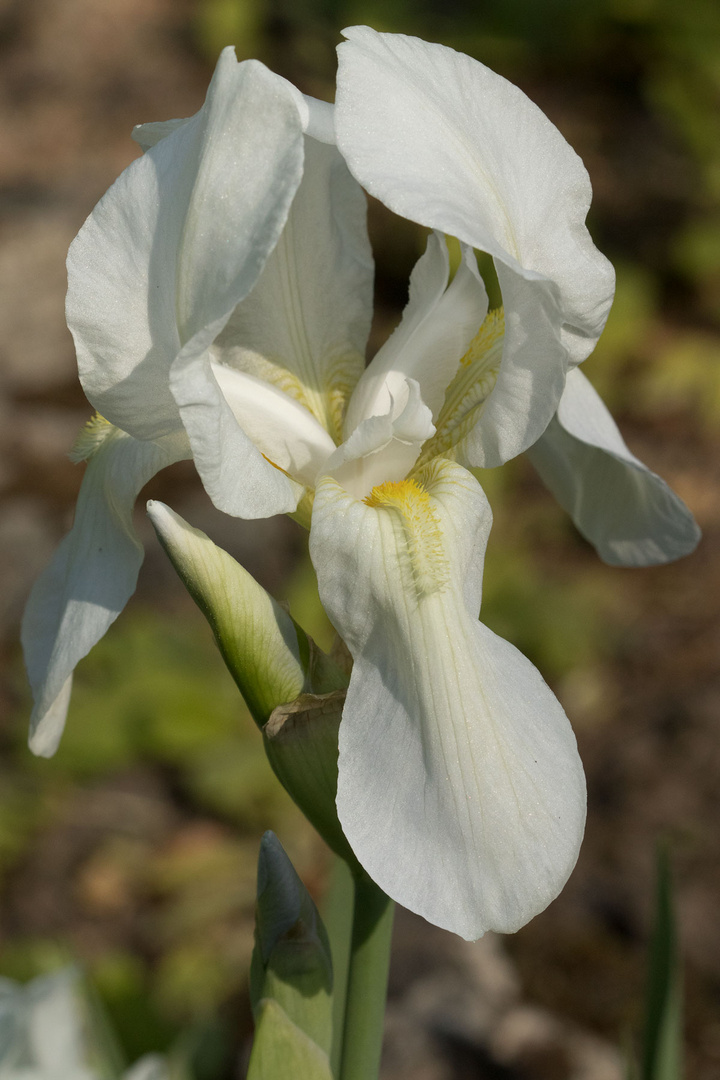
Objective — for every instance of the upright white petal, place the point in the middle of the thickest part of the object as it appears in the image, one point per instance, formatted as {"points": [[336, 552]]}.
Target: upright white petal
{"points": [[626, 511], [383, 447], [437, 326], [305, 325], [498, 404], [178, 240], [460, 788], [91, 577], [443, 140]]}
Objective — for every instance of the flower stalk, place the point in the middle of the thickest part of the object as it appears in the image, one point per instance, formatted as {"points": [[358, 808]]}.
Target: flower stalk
{"points": [[368, 968]]}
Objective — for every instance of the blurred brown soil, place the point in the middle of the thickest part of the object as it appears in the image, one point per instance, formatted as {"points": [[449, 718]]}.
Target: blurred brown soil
{"points": [[76, 75]]}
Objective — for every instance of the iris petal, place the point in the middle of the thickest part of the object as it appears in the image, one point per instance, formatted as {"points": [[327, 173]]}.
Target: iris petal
{"points": [[170, 249], [92, 574], [460, 787], [304, 326], [445, 142], [626, 511], [437, 325]]}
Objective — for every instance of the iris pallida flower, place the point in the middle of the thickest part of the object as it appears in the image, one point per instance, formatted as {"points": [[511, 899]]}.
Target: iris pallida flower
{"points": [[220, 301]]}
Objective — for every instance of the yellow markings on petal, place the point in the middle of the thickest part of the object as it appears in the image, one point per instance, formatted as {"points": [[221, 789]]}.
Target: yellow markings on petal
{"points": [[276, 466], [303, 511], [322, 383], [324, 393], [469, 390], [424, 557], [91, 437], [490, 333], [327, 400]]}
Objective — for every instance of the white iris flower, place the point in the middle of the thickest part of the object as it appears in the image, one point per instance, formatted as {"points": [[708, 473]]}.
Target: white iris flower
{"points": [[220, 300]]}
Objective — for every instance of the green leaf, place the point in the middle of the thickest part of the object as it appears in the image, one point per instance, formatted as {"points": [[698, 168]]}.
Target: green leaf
{"points": [[662, 1048]]}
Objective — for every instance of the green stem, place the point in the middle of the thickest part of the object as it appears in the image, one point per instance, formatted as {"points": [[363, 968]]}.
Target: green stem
{"points": [[337, 914], [367, 982]]}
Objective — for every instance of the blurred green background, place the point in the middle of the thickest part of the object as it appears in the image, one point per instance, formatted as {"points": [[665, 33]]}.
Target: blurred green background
{"points": [[134, 849]]}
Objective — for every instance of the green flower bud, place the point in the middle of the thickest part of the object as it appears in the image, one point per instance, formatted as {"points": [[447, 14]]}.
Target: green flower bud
{"points": [[290, 973], [270, 657]]}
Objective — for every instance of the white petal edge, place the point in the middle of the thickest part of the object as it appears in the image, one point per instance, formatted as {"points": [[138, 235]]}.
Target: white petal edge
{"points": [[316, 118], [626, 511], [281, 428], [91, 576], [444, 141], [236, 476], [171, 248], [437, 326], [460, 787]]}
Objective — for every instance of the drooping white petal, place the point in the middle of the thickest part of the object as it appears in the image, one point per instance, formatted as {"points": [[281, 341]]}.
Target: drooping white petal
{"points": [[383, 447], [178, 240], [437, 326], [305, 325], [460, 788], [626, 511], [91, 577], [444, 141], [281, 428], [236, 476]]}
